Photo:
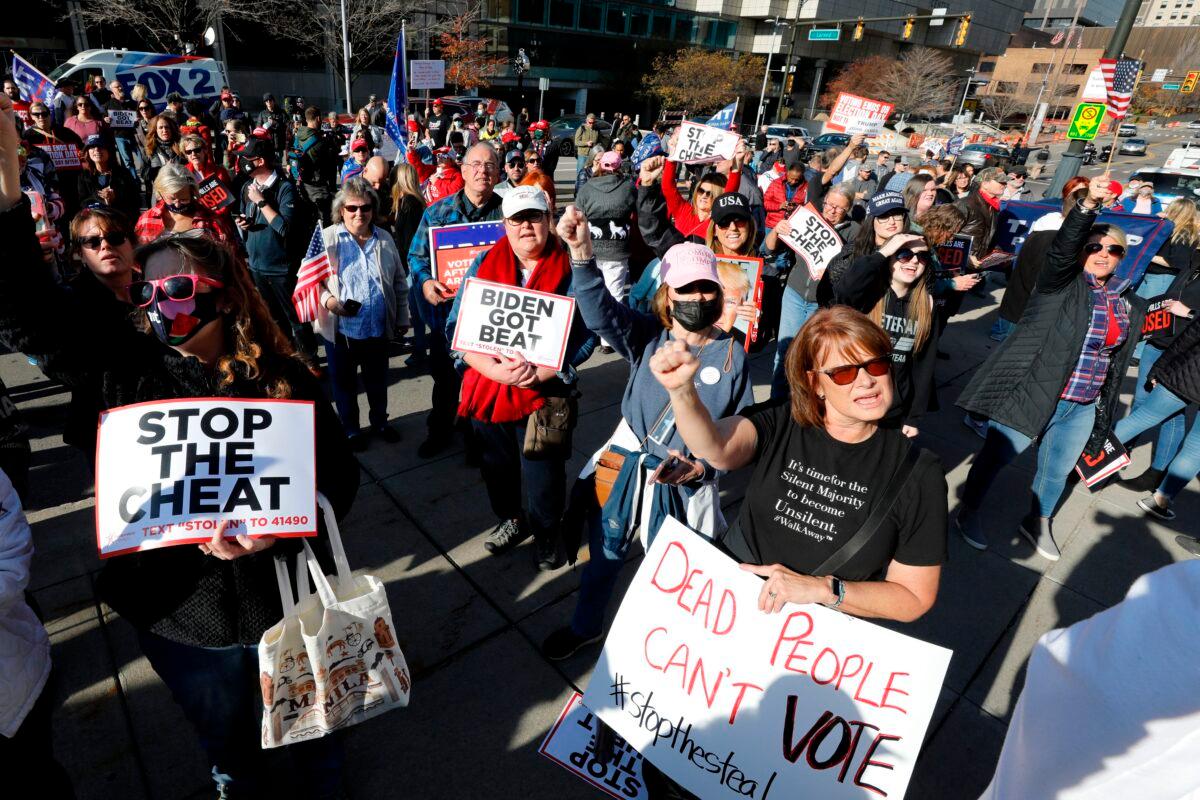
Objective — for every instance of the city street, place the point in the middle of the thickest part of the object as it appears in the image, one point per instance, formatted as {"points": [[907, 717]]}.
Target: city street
{"points": [[471, 623]]}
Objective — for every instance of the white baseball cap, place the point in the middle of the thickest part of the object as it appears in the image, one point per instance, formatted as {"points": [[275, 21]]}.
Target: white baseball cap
{"points": [[524, 198]]}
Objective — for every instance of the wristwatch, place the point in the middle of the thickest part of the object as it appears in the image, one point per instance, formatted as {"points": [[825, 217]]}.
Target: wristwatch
{"points": [[838, 588], [261, 203]]}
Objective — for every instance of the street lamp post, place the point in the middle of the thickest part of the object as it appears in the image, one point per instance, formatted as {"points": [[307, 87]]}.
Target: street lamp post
{"points": [[762, 96], [966, 91]]}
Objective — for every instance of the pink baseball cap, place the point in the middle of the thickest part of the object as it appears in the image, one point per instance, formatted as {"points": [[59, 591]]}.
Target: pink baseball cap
{"points": [[688, 262], [610, 161]]}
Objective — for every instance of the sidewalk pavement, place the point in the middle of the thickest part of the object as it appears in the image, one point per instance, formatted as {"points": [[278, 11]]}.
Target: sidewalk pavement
{"points": [[470, 623]]}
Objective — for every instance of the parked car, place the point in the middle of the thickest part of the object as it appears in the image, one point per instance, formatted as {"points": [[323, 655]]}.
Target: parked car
{"points": [[1194, 125], [828, 140], [1133, 147], [984, 155], [783, 132], [465, 107], [1127, 129], [1170, 184], [562, 132]]}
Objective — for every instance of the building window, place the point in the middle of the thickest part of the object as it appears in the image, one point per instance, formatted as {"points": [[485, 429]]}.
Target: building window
{"points": [[1076, 69], [661, 26], [987, 66], [591, 16], [1006, 87], [639, 22], [531, 12], [615, 23], [1067, 91], [685, 29], [1040, 69], [562, 13]]}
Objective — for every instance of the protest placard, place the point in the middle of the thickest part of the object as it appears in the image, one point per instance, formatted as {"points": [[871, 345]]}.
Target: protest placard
{"points": [[813, 239], [853, 114], [730, 701], [1161, 323], [452, 248], [741, 280], [703, 144], [571, 744], [427, 74], [497, 319], [213, 194], [955, 255], [122, 119], [64, 155], [169, 472], [1093, 469]]}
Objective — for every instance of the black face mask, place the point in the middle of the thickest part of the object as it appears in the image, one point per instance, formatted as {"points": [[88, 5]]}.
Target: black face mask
{"points": [[180, 208], [189, 317], [696, 315]]}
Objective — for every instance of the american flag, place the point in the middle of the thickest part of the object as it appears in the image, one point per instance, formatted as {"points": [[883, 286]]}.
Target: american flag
{"points": [[314, 269], [1119, 78], [1058, 37]]}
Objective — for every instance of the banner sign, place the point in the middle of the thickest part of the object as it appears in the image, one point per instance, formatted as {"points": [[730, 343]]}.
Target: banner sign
{"points": [[741, 279], [853, 114], [1112, 457], [122, 119], [702, 144], [426, 74], [571, 744], [954, 144], [723, 119], [169, 472], [213, 194], [1144, 234], [65, 156], [497, 319], [453, 248], [1160, 322], [954, 255], [813, 239], [1094, 91], [730, 701]]}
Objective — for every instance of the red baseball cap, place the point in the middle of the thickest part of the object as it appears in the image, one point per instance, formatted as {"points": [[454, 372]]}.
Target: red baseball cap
{"points": [[1115, 187], [359, 144], [437, 102], [412, 126]]}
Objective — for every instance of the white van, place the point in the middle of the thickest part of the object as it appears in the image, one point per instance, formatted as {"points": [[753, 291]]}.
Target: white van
{"points": [[192, 77]]}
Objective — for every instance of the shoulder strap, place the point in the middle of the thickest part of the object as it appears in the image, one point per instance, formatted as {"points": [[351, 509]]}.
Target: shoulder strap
{"points": [[842, 556]]}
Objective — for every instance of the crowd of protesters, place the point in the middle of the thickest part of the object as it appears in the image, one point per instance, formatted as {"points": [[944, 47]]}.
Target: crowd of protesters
{"points": [[171, 248]]}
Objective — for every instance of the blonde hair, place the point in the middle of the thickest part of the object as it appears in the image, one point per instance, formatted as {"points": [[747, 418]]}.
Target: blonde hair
{"points": [[1183, 213], [405, 181], [734, 277], [713, 243], [138, 92], [920, 307]]}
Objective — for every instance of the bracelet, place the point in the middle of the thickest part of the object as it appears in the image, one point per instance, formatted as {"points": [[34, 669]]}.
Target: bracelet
{"points": [[839, 589]]}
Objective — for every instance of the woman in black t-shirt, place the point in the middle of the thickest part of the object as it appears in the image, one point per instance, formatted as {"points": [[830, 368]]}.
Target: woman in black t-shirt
{"points": [[821, 467]]}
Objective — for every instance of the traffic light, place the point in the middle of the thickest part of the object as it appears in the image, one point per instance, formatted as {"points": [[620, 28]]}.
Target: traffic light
{"points": [[787, 84], [858, 30], [1189, 83], [908, 28], [964, 24]]}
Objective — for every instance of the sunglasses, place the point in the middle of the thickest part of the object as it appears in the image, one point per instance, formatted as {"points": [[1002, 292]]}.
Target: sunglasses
{"points": [[193, 151], [532, 216], [39, 113], [845, 374], [1091, 248], [145, 108], [904, 254], [740, 222], [176, 287], [366, 209], [114, 239], [705, 193]]}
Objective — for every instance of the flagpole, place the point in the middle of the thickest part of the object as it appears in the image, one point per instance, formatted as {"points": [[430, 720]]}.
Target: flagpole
{"points": [[1112, 151], [346, 55]]}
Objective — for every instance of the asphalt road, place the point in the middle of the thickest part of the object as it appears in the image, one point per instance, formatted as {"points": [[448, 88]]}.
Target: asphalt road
{"points": [[1160, 145]]}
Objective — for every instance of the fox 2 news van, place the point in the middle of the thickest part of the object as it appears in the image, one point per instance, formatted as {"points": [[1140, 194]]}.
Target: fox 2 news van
{"points": [[193, 77]]}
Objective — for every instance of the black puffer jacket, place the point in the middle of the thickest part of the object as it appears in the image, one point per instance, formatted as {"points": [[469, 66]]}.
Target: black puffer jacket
{"points": [[1020, 383], [980, 224], [1178, 368]]}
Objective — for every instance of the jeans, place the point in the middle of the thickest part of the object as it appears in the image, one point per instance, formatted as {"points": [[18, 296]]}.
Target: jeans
{"points": [[443, 408], [1172, 430], [1001, 328], [794, 312], [1159, 405], [596, 583], [1059, 447], [276, 290], [125, 154], [580, 163], [420, 339], [347, 358], [1152, 285], [218, 690], [512, 478]]}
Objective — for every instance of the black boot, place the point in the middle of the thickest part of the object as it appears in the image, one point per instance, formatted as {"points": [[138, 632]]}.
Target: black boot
{"points": [[1148, 481]]}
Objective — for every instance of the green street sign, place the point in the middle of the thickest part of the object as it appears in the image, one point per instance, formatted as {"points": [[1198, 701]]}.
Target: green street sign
{"points": [[1170, 87], [824, 34], [1085, 122]]}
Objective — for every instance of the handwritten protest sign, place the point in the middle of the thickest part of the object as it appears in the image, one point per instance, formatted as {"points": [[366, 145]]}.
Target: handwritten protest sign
{"points": [[65, 156], [454, 247], [427, 74], [730, 701], [497, 319], [213, 194], [853, 114], [703, 144], [741, 279], [954, 255], [122, 119], [571, 744], [1093, 469], [813, 239], [168, 473]]}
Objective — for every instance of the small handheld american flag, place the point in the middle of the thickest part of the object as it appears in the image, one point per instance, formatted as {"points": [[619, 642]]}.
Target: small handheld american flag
{"points": [[314, 269], [1119, 79]]}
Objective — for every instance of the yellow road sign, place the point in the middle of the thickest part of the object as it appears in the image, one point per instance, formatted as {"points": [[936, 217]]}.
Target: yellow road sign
{"points": [[1085, 123]]}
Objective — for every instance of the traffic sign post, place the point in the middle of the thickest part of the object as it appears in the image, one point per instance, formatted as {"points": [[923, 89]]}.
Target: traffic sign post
{"points": [[543, 85], [1085, 122], [824, 34]]}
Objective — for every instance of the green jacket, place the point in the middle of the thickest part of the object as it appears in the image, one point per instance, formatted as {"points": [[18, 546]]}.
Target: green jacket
{"points": [[585, 139]]}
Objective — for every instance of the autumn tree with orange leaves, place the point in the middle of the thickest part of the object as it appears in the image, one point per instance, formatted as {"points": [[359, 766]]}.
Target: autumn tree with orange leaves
{"points": [[469, 65]]}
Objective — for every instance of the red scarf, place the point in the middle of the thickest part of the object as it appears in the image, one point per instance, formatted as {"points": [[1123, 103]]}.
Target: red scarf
{"points": [[483, 398]]}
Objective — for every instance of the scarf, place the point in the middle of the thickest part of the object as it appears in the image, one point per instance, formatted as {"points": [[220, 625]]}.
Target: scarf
{"points": [[483, 398]]}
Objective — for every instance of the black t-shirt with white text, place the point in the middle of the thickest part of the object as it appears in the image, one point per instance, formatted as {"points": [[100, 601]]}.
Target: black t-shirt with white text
{"points": [[810, 493]]}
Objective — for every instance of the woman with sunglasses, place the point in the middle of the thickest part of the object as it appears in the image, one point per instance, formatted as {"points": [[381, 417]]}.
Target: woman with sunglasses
{"points": [[178, 209], [363, 306], [886, 216], [86, 120], [161, 148], [43, 131], [1057, 377], [201, 162], [692, 218], [141, 128], [103, 181], [686, 310], [201, 330], [823, 470]]}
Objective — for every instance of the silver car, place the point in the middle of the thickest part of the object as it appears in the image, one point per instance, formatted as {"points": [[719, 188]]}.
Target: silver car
{"points": [[984, 155], [1133, 147]]}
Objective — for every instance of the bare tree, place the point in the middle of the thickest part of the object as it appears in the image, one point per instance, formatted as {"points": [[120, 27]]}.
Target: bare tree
{"points": [[1000, 106], [921, 84], [168, 25]]}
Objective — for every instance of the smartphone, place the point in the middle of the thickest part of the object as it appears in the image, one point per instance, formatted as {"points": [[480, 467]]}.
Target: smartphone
{"points": [[351, 307], [665, 469]]}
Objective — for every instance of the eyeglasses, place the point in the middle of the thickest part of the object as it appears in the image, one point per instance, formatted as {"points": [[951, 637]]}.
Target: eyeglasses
{"points": [[905, 254], [1091, 248], [532, 161], [366, 209], [39, 113], [175, 287], [480, 166], [705, 193], [114, 239], [847, 373], [533, 216], [193, 151], [834, 207]]}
